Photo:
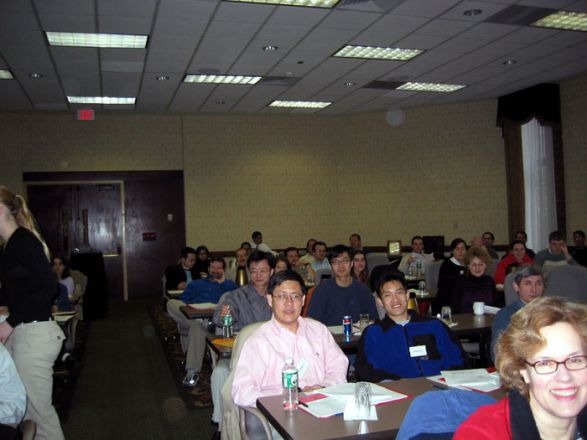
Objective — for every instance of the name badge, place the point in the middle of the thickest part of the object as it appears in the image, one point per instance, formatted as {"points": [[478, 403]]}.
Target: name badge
{"points": [[418, 351]]}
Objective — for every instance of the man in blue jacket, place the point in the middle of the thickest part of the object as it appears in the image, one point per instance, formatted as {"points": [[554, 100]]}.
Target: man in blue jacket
{"points": [[403, 344]]}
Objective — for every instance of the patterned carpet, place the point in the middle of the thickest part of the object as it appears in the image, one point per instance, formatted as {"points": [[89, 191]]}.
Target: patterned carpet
{"points": [[166, 328]]}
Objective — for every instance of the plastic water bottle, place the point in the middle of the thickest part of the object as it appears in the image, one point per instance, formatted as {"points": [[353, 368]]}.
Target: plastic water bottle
{"points": [[418, 269], [289, 380], [227, 325]]}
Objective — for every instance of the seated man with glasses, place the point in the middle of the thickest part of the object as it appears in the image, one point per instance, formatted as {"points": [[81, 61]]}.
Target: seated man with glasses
{"points": [[342, 295], [319, 359], [403, 344]]}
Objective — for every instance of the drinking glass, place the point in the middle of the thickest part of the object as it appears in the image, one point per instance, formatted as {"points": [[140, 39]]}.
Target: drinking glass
{"points": [[363, 399], [363, 321], [422, 288], [446, 314]]}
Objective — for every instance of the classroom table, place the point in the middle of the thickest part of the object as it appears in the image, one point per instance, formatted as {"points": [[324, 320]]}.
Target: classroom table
{"points": [[475, 326], [301, 425], [193, 313]]}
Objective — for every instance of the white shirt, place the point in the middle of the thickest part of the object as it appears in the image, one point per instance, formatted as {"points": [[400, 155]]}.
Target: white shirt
{"points": [[424, 258], [12, 392]]}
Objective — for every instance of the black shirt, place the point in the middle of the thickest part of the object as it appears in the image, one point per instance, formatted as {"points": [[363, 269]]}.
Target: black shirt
{"points": [[29, 286]]}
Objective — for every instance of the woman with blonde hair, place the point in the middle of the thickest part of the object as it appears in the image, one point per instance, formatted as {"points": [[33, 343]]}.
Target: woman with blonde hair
{"points": [[542, 362], [28, 291]]}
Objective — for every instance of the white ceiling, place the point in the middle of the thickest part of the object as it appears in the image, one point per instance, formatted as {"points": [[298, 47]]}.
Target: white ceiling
{"points": [[191, 36]]}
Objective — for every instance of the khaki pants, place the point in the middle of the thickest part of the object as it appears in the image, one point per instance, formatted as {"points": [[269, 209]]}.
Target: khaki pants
{"points": [[196, 346], [34, 348]]}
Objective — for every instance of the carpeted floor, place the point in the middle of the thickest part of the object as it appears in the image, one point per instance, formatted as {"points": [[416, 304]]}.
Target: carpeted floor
{"points": [[166, 328]]}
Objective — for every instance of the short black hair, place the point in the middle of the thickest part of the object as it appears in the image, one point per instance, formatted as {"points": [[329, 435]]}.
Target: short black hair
{"points": [[318, 243], [579, 232], [355, 235], [289, 249], [523, 233], [245, 244], [257, 256], [417, 237], [528, 271], [281, 277], [187, 250], [394, 275], [490, 234], [338, 250], [515, 242], [256, 234], [202, 248], [456, 242], [218, 260], [556, 236]]}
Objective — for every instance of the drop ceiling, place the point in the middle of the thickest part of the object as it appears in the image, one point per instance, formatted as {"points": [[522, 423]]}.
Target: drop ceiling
{"points": [[221, 37]]}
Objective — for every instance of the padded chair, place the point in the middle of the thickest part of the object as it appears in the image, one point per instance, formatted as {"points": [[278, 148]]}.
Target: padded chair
{"points": [[80, 282], [445, 411], [569, 281], [307, 301], [233, 417], [508, 288], [375, 259], [322, 274], [493, 268], [378, 271], [432, 272]]}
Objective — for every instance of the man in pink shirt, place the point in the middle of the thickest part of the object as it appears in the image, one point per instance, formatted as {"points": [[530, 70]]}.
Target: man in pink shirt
{"points": [[319, 359]]}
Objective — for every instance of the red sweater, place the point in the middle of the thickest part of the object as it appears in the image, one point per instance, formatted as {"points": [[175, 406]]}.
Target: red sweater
{"points": [[506, 262], [489, 422]]}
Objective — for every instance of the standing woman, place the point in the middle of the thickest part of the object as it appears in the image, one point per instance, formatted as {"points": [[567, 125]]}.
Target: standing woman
{"points": [[28, 290]]}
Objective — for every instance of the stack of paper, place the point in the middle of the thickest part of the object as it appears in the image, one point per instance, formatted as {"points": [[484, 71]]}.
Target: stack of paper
{"points": [[203, 306], [477, 379]]}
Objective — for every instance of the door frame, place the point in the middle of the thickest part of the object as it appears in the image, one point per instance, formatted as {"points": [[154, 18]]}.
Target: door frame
{"points": [[122, 214]]}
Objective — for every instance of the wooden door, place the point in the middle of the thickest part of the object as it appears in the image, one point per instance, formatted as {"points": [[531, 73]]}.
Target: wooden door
{"points": [[83, 216]]}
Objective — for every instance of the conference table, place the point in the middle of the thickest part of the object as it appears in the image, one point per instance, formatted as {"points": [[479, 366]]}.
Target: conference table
{"points": [[302, 425], [193, 313]]}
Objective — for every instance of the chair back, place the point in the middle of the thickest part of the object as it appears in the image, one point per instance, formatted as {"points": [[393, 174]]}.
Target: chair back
{"points": [[230, 417], [445, 411], [375, 259], [569, 281], [432, 272], [491, 270], [322, 274], [81, 282], [508, 288]]}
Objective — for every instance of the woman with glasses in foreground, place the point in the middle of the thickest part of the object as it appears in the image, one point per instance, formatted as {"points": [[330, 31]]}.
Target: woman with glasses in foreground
{"points": [[541, 360]]}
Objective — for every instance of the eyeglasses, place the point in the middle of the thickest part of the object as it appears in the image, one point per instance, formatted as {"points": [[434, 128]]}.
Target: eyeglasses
{"points": [[342, 261], [261, 271], [283, 297], [549, 366]]}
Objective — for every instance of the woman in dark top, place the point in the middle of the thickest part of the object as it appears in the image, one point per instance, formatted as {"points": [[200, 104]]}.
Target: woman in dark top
{"points": [[450, 270], [360, 271], [475, 285], [202, 261], [28, 291]]}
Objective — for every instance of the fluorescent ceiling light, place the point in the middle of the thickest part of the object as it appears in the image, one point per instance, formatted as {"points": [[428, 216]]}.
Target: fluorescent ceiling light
{"points": [[308, 3], [100, 100], [378, 53], [5, 74], [575, 21], [222, 79], [77, 39], [300, 104], [430, 87]]}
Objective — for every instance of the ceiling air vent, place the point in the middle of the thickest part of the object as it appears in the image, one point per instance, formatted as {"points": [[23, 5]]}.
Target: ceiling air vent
{"points": [[519, 15], [384, 85], [278, 81]]}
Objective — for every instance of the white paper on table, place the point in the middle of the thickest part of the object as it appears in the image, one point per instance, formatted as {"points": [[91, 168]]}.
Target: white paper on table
{"points": [[351, 413], [338, 330], [487, 387], [471, 378], [203, 306], [490, 310], [346, 391], [322, 406]]}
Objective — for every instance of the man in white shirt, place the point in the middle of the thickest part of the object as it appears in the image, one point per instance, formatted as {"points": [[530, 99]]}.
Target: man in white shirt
{"points": [[417, 254], [12, 394], [259, 245]]}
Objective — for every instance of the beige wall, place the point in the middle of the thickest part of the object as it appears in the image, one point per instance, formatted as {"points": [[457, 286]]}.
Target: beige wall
{"points": [[574, 111], [441, 172]]}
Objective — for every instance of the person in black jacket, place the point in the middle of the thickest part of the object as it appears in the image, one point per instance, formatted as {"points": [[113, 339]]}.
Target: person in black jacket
{"points": [[179, 275], [28, 290]]}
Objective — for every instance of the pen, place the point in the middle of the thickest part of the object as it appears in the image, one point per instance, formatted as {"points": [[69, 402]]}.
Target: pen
{"points": [[304, 404]]}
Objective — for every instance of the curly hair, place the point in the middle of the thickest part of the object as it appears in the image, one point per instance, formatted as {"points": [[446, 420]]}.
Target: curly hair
{"points": [[476, 252], [522, 339]]}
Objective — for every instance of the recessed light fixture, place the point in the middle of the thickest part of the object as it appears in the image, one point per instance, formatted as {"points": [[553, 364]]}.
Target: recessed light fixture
{"points": [[300, 104], [349, 83], [300, 62], [574, 21], [308, 3], [35, 75], [430, 87], [509, 62], [222, 79], [6, 74], [270, 48], [101, 100], [78, 39], [378, 53], [220, 102], [472, 12], [162, 78]]}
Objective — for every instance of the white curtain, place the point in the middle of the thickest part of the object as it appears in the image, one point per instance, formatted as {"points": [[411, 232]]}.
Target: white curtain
{"points": [[540, 196]]}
